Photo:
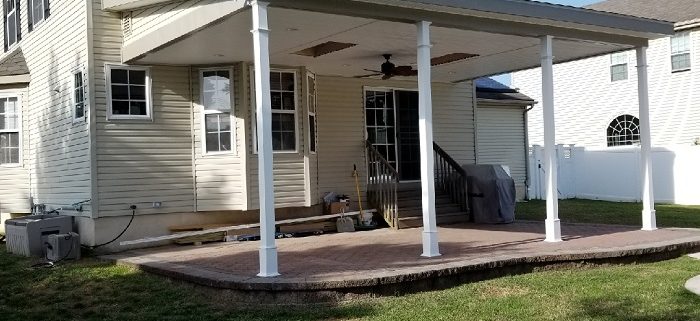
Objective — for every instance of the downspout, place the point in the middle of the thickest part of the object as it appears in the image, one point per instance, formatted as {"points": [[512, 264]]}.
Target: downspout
{"points": [[527, 152]]}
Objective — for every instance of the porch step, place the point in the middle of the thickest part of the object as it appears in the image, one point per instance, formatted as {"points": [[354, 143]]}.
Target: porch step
{"points": [[407, 202], [440, 209], [442, 219]]}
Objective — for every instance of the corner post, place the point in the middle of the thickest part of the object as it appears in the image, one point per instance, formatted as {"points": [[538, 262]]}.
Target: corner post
{"points": [[425, 128], [552, 224], [268, 248], [648, 211]]}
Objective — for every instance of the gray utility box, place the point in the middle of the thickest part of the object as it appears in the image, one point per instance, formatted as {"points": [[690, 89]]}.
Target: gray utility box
{"points": [[61, 247], [27, 235]]}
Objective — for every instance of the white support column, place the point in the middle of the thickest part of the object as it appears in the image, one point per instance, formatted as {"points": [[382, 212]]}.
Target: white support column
{"points": [[552, 224], [268, 248], [648, 212], [425, 128]]}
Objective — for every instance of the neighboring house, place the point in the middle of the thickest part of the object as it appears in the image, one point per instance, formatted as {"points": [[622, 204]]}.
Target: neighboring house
{"points": [[153, 103], [595, 98], [596, 109]]}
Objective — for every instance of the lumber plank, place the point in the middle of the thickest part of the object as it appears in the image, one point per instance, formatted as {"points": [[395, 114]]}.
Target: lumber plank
{"points": [[238, 227]]}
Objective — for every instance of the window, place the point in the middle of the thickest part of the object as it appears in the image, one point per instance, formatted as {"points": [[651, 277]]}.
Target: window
{"points": [[38, 11], [283, 104], [618, 66], [78, 97], [216, 110], [680, 51], [129, 92], [13, 32], [311, 99], [623, 130], [9, 131]]}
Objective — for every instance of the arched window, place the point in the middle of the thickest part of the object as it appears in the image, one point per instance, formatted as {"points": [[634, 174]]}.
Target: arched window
{"points": [[623, 130]]}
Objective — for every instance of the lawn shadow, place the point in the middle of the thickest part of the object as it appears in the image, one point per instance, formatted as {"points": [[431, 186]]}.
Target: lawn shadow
{"points": [[683, 307]]}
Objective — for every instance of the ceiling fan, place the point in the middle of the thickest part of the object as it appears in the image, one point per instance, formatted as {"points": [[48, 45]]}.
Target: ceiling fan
{"points": [[389, 69]]}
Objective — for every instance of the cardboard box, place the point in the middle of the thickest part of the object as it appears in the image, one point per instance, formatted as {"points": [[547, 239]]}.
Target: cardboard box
{"points": [[338, 207]]}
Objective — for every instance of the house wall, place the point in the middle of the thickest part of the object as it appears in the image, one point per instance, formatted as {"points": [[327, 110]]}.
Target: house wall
{"points": [[341, 127], [15, 189], [586, 101], [501, 140], [220, 179], [145, 20], [56, 165]]}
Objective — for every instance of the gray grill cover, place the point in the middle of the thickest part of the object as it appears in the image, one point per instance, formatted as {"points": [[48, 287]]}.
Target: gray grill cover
{"points": [[491, 194]]}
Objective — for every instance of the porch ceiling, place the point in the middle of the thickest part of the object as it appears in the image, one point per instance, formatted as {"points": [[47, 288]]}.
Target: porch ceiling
{"points": [[293, 30]]}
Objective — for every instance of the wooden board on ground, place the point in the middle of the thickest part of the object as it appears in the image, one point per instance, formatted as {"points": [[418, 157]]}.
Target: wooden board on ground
{"points": [[308, 227], [237, 227]]}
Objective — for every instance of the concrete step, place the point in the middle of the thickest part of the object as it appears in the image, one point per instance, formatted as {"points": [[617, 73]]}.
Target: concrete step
{"points": [[443, 219]]}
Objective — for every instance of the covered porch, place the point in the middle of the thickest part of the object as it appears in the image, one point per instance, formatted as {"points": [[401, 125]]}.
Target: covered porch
{"points": [[432, 43]]}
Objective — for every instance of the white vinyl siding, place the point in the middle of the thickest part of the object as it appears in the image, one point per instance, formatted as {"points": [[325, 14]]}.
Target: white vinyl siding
{"points": [[618, 66], [501, 140], [680, 51], [220, 178], [10, 131], [216, 99], [14, 190], [128, 92]]}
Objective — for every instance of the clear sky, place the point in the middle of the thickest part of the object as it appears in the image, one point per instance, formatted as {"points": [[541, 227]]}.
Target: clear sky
{"points": [[506, 78]]}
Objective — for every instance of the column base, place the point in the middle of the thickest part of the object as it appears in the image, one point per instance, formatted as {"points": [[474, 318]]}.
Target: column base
{"points": [[553, 231], [649, 220], [268, 262], [430, 244]]}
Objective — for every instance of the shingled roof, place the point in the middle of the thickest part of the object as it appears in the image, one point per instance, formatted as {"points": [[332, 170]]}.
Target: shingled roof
{"points": [[487, 88], [14, 64], [668, 10]]}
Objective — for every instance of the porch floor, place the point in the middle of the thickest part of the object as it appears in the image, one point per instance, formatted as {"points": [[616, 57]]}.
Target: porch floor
{"points": [[361, 262]]}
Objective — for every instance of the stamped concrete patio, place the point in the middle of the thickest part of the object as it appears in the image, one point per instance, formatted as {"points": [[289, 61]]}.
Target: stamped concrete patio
{"points": [[388, 261]]}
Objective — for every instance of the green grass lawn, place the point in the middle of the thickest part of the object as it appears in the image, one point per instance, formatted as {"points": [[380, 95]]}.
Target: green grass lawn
{"points": [[93, 290], [587, 211]]}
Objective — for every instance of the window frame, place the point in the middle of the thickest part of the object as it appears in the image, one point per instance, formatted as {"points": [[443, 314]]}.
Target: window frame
{"points": [[619, 120], [34, 22], [313, 113], [18, 26], [204, 113], [253, 114], [688, 51], [74, 102], [20, 140], [613, 65], [108, 88]]}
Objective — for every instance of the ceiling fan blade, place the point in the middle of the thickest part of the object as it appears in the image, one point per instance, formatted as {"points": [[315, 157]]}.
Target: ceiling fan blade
{"points": [[405, 71], [371, 70], [387, 76], [370, 75]]}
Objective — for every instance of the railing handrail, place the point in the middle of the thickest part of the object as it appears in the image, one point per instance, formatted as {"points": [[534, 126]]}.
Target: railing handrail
{"points": [[385, 162], [458, 168]]}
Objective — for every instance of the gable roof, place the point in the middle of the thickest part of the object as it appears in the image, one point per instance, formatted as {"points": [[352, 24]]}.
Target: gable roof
{"points": [[14, 64], [669, 10]]}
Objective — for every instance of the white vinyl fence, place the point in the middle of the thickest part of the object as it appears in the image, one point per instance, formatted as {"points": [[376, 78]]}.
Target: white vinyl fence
{"points": [[613, 174]]}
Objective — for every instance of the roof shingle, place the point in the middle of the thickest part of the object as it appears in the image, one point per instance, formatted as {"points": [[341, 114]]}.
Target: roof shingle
{"points": [[668, 10]]}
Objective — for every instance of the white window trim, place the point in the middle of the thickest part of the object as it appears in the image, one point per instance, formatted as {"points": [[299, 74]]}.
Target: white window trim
{"points": [[77, 120], [689, 51], [204, 113], [310, 113], [626, 64], [108, 88], [35, 23], [19, 130], [18, 26], [254, 123]]}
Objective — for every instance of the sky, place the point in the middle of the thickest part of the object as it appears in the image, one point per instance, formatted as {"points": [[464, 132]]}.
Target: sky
{"points": [[506, 78]]}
